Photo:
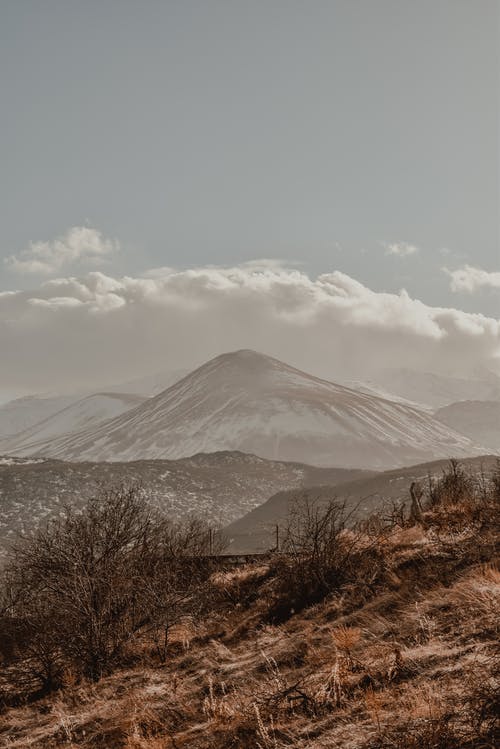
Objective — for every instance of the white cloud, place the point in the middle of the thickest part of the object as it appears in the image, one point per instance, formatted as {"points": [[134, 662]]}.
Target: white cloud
{"points": [[471, 279], [80, 244], [73, 332], [400, 249]]}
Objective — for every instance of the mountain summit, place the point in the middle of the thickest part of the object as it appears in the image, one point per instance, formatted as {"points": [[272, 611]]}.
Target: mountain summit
{"points": [[251, 402]]}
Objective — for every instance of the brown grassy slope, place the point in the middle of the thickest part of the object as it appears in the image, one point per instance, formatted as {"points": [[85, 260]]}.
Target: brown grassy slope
{"points": [[366, 494], [404, 654]]}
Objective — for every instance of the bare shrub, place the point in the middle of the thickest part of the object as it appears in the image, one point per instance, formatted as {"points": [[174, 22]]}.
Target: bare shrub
{"points": [[454, 486], [320, 555], [85, 585], [460, 501]]}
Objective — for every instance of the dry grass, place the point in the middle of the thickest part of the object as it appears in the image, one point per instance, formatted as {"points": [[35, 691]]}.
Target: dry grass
{"points": [[345, 638], [408, 661]]}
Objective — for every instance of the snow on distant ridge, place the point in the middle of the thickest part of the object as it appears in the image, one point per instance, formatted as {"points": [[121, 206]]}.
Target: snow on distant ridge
{"points": [[250, 402], [23, 413]]}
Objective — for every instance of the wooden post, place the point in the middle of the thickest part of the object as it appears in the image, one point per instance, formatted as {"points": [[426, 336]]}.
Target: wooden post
{"points": [[416, 507]]}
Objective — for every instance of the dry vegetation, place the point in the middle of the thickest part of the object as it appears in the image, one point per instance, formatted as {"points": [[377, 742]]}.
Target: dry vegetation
{"points": [[380, 637]]}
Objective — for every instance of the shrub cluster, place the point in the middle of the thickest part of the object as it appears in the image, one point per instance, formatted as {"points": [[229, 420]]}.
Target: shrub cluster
{"points": [[78, 591]]}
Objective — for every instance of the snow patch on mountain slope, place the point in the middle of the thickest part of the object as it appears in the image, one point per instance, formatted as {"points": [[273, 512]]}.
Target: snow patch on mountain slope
{"points": [[253, 403]]}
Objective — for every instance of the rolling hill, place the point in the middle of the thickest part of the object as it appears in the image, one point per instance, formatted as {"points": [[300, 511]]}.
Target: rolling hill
{"points": [[219, 487], [255, 531]]}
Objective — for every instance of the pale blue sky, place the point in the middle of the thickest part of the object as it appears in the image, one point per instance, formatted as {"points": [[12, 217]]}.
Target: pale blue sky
{"points": [[222, 131]]}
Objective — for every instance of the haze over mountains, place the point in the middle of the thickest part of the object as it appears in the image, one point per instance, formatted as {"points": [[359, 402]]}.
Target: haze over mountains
{"points": [[256, 404], [82, 414], [432, 390], [24, 412], [479, 420]]}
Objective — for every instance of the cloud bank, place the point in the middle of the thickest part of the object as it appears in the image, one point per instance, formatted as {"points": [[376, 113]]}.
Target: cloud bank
{"points": [[73, 332], [80, 244], [472, 279]]}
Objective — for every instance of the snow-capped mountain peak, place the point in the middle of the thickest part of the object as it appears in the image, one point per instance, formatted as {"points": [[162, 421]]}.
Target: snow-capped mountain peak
{"points": [[254, 403]]}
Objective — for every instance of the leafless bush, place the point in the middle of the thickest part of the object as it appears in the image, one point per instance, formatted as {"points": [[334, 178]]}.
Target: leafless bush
{"points": [[319, 555], [85, 585], [463, 501], [454, 486]]}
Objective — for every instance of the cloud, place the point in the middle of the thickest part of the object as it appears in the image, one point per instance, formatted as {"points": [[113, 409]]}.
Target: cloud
{"points": [[471, 279], [80, 244], [87, 331], [400, 249]]}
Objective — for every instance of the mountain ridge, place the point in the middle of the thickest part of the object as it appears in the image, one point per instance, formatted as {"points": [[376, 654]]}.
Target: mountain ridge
{"points": [[247, 401], [218, 486], [362, 495], [84, 413]]}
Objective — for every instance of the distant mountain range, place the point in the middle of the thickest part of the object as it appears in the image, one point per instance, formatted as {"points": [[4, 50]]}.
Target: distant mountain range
{"points": [[22, 413], [479, 420], [431, 390], [256, 404], [85, 413]]}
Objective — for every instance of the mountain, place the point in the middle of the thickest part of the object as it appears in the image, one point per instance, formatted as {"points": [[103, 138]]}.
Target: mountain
{"points": [[218, 487], [85, 413], [362, 496], [23, 413], [478, 420], [148, 385], [380, 392], [431, 390], [254, 403]]}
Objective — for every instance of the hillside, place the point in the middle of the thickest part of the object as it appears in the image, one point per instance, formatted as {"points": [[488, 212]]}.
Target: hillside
{"points": [[85, 413], [478, 420], [220, 487], [433, 390], [363, 496], [398, 651], [23, 413], [250, 402]]}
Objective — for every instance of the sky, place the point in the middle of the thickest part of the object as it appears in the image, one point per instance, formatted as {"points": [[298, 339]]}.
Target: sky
{"points": [[152, 152]]}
